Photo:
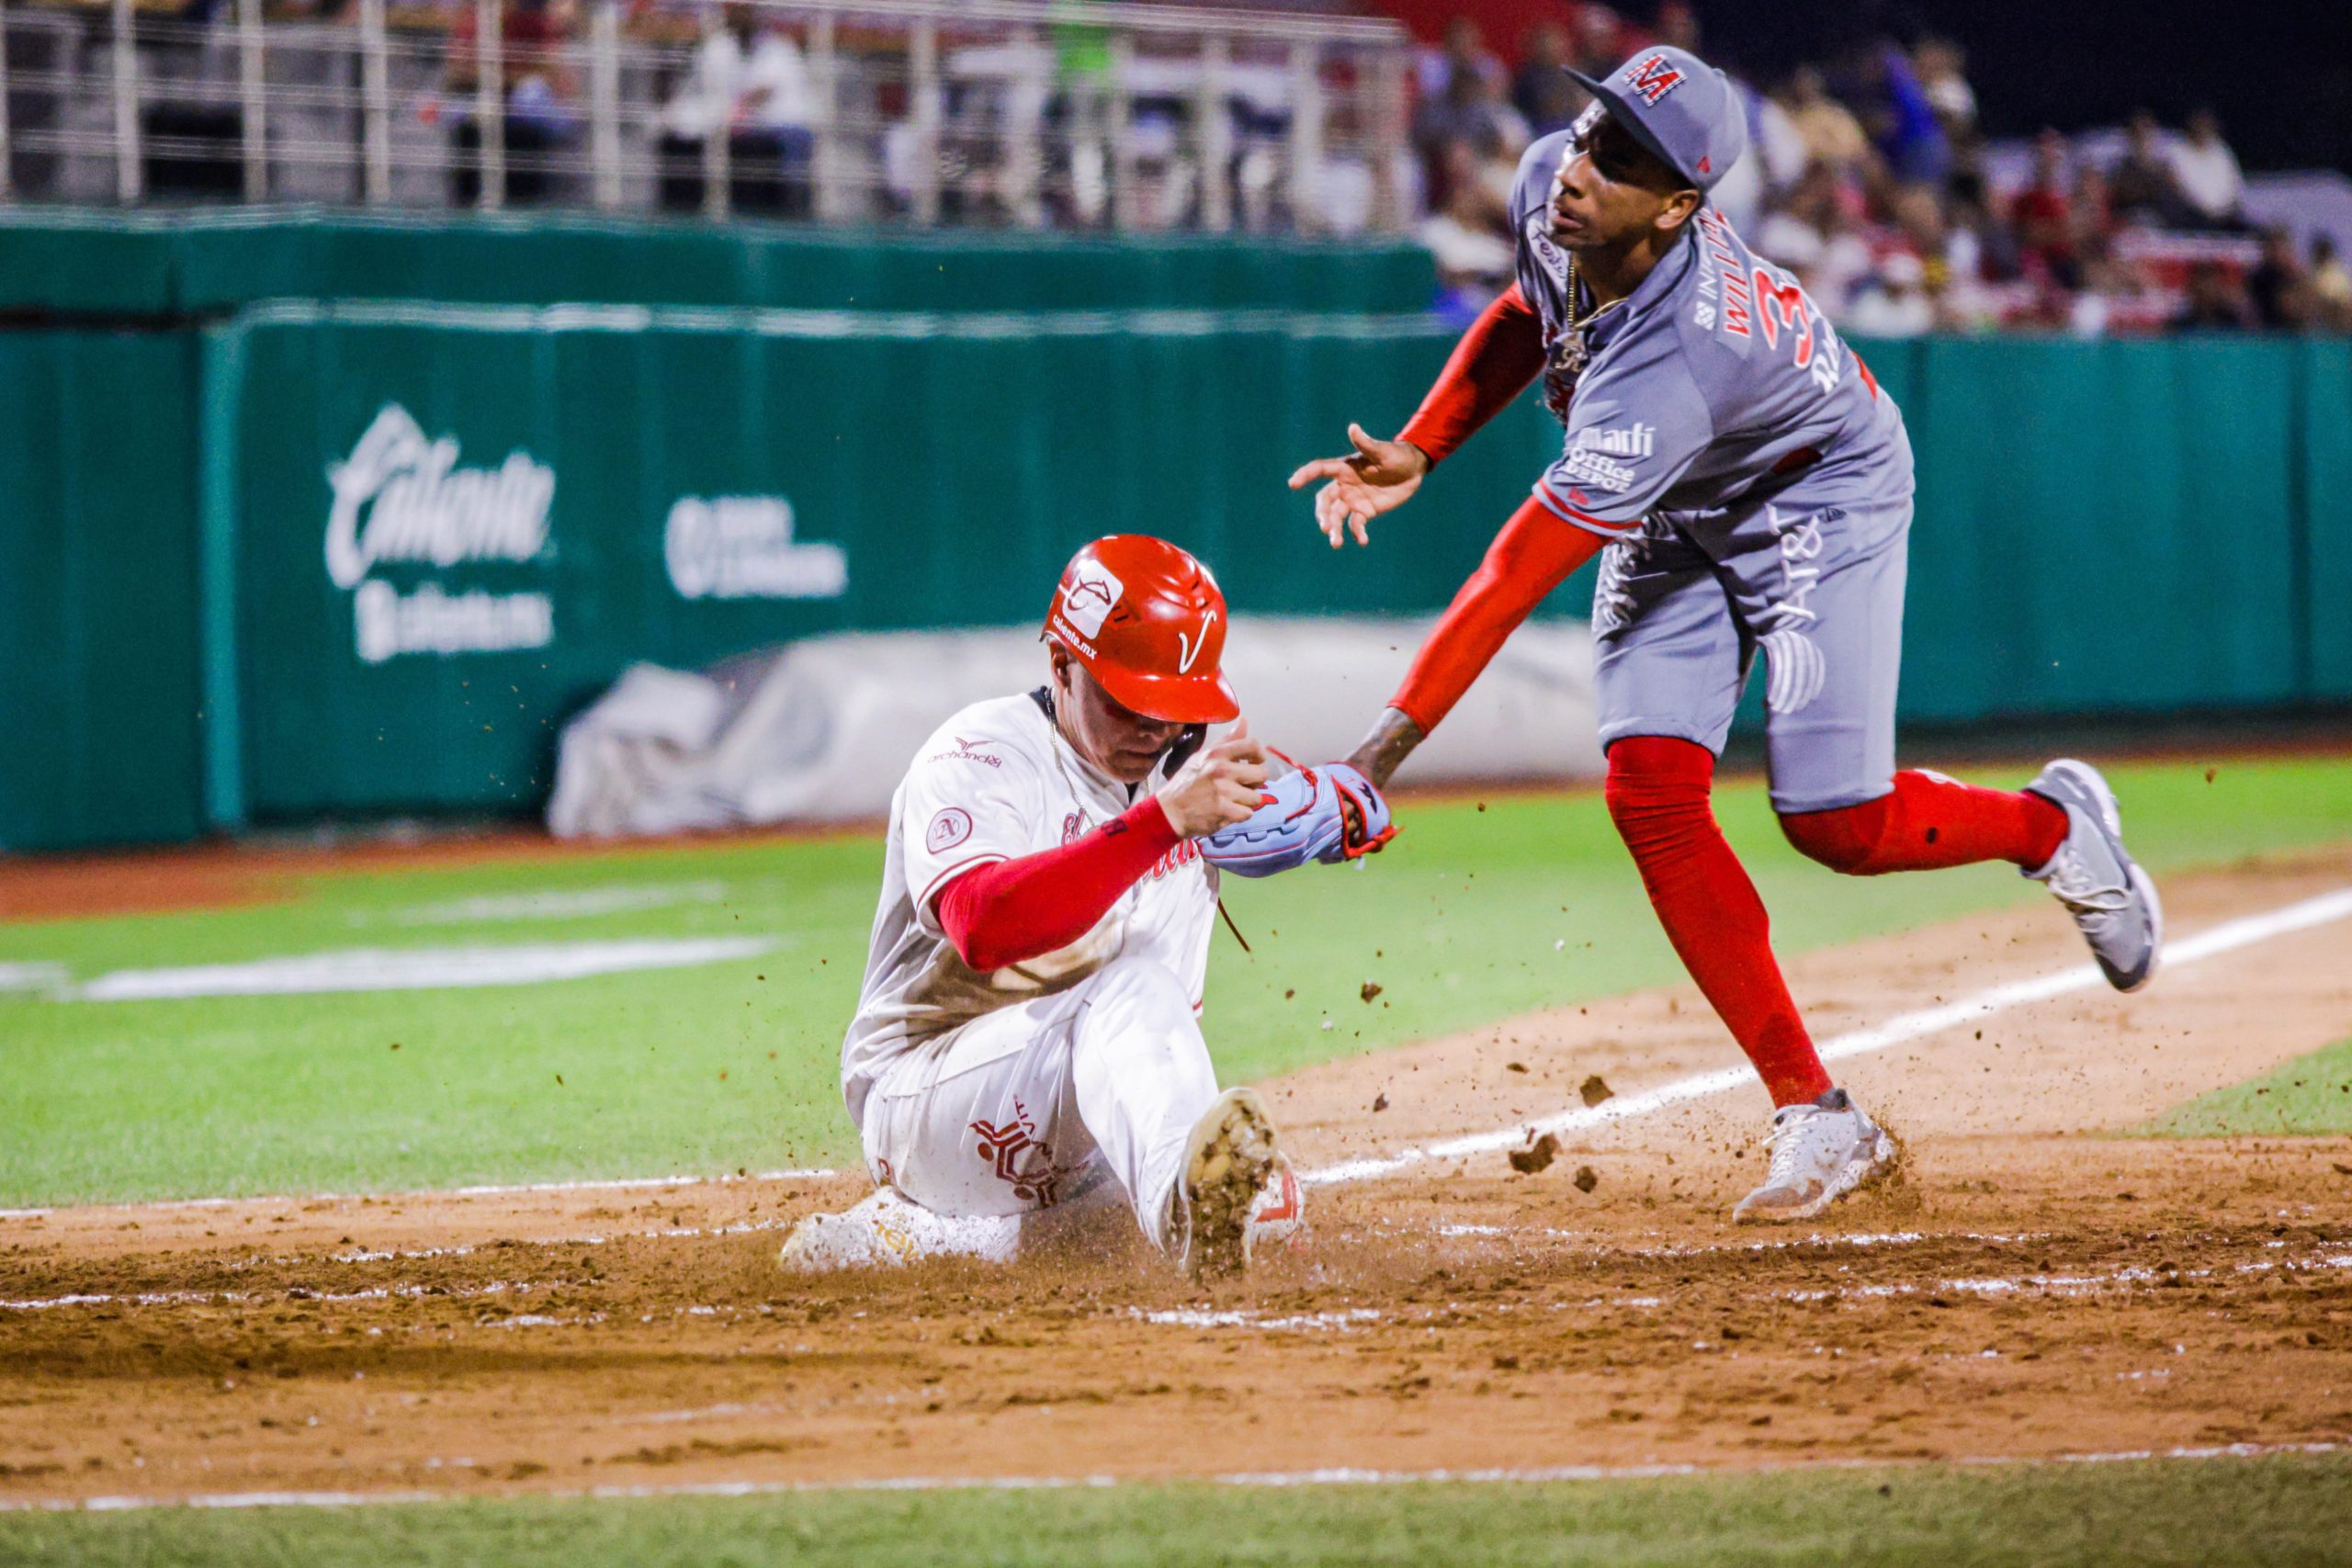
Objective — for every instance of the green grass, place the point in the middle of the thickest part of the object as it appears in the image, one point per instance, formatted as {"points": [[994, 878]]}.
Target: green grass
{"points": [[1471, 916], [2280, 1510], [2310, 1096]]}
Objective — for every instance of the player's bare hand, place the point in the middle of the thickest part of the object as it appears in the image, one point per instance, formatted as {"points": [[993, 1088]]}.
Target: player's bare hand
{"points": [[1220, 786], [1378, 476]]}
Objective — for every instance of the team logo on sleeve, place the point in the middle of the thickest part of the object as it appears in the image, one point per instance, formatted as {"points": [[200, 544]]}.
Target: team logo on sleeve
{"points": [[1599, 458], [965, 751], [1653, 78], [1090, 597], [950, 826], [1600, 472]]}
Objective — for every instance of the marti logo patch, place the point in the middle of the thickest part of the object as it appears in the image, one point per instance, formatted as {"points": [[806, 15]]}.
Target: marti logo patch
{"points": [[950, 827], [1653, 78]]}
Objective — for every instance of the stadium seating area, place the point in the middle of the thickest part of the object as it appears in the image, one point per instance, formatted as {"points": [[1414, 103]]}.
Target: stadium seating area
{"points": [[1869, 173]]}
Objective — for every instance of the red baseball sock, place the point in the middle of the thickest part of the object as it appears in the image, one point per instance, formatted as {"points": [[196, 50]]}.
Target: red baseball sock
{"points": [[1657, 796], [1927, 822]]}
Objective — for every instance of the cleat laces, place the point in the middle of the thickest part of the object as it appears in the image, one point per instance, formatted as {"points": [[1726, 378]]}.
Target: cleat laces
{"points": [[2079, 888], [1794, 1160]]}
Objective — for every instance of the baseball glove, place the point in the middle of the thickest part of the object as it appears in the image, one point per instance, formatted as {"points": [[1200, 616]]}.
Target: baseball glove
{"points": [[1329, 814]]}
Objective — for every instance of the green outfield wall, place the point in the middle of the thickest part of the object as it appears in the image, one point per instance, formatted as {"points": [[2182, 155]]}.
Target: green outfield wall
{"points": [[311, 560], [98, 637]]}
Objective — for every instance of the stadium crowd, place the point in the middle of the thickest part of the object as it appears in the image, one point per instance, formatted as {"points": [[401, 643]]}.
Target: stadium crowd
{"points": [[1870, 177], [1867, 174]]}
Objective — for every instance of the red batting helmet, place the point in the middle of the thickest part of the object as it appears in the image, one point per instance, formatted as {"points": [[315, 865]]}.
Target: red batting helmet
{"points": [[1148, 622]]}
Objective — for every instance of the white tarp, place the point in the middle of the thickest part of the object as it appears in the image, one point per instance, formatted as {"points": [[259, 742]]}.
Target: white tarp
{"points": [[821, 730]]}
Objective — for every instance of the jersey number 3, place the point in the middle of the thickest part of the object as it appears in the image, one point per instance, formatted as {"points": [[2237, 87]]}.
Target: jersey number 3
{"points": [[1782, 306]]}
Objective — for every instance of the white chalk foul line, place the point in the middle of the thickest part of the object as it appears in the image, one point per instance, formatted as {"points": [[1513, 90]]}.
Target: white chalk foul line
{"points": [[493, 1190], [1272, 1479], [419, 968], [2227, 937]]}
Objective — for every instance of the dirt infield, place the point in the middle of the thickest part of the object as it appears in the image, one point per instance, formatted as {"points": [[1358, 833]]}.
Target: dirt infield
{"points": [[2031, 1288]]}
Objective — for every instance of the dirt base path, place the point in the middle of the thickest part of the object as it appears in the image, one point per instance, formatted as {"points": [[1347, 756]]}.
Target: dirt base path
{"points": [[2033, 1287]]}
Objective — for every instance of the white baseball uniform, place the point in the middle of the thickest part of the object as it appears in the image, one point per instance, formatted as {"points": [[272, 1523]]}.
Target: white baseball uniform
{"points": [[1004, 1093]]}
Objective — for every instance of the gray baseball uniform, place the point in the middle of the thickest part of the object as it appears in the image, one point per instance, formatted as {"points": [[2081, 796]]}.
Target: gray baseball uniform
{"points": [[1756, 485]]}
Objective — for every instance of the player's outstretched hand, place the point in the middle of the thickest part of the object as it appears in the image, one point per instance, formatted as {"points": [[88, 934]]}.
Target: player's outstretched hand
{"points": [[1221, 785], [1377, 476]]}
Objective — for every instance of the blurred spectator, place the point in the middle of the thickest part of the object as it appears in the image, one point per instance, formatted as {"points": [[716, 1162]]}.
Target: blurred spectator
{"points": [[1970, 212], [1473, 111], [1832, 135], [749, 82], [2141, 186], [1941, 64], [1812, 235], [1347, 182], [2113, 293], [2216, 301], [2331, 287], [539, 90], [1891, 301], [1464, 53], [2206, 172], [2091, 210], [1546, 97], [1792, 233], [2044, 215], [1676, 25], [1602, 40], [1897, 115], [2277, 288], [1472, 247], [1775, 141]]}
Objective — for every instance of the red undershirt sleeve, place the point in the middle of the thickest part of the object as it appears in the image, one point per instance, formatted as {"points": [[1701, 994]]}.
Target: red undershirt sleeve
{"points": [[1532, 555], [1018, 910], [1496, 359]]}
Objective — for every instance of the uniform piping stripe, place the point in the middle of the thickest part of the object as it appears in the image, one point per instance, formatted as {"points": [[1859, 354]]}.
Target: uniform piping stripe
{"points": [[1567, 513]]}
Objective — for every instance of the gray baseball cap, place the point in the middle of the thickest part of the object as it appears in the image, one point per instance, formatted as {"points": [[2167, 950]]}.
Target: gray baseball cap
{"points": [[1679, 108]]}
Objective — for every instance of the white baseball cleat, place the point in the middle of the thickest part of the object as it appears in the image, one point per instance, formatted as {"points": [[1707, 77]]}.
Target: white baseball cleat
{"points": [[1278, 1219], [1821, 1151], [887, 1231], [1228, 1161], [2113, 901]]}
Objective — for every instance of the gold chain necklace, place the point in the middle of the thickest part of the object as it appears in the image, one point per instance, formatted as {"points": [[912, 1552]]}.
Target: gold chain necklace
{"points": [[1575, 352]]}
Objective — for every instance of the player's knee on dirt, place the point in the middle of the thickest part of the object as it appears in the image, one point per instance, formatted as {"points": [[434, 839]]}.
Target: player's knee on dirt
{"points": [[1843, 839]]}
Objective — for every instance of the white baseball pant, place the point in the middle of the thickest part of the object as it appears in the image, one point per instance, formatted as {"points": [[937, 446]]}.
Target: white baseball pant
{"points": [[1041, 1103]]}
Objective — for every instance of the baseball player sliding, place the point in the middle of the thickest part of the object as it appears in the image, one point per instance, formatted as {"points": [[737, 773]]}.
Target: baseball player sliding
{"points": [[1026, 1045], [1748, 487]]}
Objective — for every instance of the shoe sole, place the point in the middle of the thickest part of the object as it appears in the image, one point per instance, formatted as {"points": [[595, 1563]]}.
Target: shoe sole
{"points": [[1858, 1169], [2146, 887], [2101, 797], [1232, 1153]]}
